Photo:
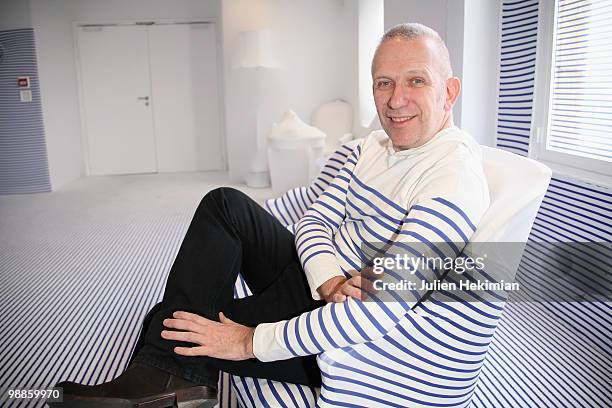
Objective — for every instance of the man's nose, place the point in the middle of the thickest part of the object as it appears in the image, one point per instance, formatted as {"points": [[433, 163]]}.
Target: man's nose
{"points": [[400, 97]]}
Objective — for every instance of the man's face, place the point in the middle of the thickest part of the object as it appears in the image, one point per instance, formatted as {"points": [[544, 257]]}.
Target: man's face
{"points": [[409, 91]]}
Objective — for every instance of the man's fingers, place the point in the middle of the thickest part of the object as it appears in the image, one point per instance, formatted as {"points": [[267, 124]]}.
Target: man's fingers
{"points": [[191, 317], [366, 283], [188, 337], [183, 325], [226, 340], [357, 287], [349, 289], [367, 286], [191, 351]]}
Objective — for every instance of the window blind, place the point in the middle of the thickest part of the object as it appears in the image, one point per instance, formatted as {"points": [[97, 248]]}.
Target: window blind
{"points": [[581, 106]]}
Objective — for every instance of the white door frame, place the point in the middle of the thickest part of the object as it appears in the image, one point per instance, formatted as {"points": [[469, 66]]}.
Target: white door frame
{"points": [[76, 25]]}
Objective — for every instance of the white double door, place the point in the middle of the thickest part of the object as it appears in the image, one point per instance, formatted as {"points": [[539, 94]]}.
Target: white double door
{"points": [[150, 98]]}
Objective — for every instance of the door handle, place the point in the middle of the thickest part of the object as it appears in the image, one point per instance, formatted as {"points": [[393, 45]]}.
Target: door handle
{"points": [[143, 98]]}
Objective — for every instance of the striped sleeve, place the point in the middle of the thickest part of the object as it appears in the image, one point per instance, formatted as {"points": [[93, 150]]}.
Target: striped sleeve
{"points": [[337, 325], [315, 231]]}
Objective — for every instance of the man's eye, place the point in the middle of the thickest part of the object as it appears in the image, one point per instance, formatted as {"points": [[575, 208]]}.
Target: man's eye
{"points": [[383, 84], [418, 82]]}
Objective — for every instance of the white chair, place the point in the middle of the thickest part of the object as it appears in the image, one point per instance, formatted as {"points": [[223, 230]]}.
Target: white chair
{"points": [[292, 144], [516, 187], [335, 119], [421, 362]]}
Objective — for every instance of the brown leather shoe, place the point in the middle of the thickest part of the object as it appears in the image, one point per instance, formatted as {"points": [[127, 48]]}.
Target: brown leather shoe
{"points": [[139, 386]]}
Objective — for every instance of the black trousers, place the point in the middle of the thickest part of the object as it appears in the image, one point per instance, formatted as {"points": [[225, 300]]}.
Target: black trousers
{"points": [[231, 234]]}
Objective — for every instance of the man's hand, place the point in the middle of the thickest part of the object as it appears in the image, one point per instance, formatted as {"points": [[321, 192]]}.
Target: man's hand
{"points": [[328, 289], [225, 339], [338, 288]]}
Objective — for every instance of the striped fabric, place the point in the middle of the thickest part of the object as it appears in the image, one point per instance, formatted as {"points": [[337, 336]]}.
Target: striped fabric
{"points": [[23, 151], [556, 353], [517, 71], [338, 325], [73, 301], [236, 391], [323, 236], [432, 358], [551, 353]]}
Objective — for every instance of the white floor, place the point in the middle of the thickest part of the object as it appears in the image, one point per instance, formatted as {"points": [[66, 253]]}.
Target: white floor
{"points": [[107, 199], [79, 268]]}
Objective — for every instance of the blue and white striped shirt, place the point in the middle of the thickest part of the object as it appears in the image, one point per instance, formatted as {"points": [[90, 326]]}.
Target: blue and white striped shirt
{"points": [[434, 193]]}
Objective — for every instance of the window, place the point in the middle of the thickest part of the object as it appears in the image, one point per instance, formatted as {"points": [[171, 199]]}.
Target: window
{"points": [[573, 91]]}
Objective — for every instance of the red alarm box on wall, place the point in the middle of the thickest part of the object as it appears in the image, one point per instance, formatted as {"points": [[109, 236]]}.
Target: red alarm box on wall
{"points": [[23, 82]]}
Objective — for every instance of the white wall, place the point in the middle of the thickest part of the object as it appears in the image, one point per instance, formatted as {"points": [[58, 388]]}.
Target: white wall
{"points": [[52, 23], [371, 28], [455, 20], [432, 13], [316, 47], [481, 41], [14, 14]]}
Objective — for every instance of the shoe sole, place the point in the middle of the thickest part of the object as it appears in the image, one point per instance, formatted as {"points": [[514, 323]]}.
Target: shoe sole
{"points": [[193, 397], [186, 398]]}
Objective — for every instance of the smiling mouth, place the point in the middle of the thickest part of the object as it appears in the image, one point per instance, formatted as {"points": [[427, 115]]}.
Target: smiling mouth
{"points": [[401, 119]]}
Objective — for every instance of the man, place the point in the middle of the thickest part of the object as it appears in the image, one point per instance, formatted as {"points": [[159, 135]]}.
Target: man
{"points": [[419, 181]]}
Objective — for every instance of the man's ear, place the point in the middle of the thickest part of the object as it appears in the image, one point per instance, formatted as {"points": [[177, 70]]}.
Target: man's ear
{"points": [[453, 89]]}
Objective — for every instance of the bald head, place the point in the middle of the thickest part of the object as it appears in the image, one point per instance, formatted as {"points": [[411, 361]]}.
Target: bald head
{"points": [[413, 31], [413, 87]]}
